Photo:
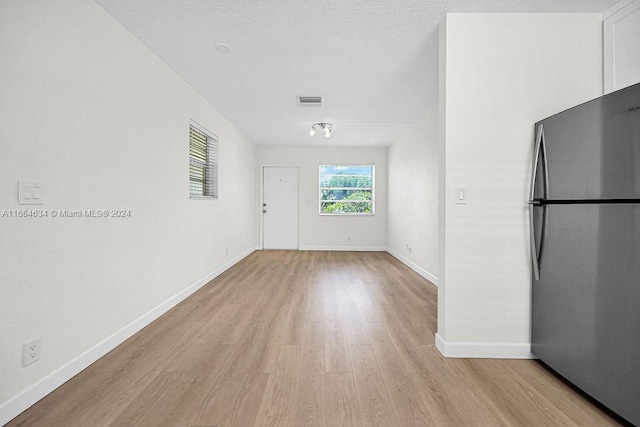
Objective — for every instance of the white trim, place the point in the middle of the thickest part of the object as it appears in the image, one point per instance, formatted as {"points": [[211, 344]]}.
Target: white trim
{"points": [[615, 8], [20, 402], [415, 267], [440, 344], [203, 129], [345, 248], [608, 57], [483, 350], [345, 213]]}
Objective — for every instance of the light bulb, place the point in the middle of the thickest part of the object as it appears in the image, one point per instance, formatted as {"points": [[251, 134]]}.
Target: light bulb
{"points": [[327, 133], [312, 132], [326, 130]]}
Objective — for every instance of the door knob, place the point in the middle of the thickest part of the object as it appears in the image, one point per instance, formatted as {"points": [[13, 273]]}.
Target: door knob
{"points": [[264, 211], [264, 204]]}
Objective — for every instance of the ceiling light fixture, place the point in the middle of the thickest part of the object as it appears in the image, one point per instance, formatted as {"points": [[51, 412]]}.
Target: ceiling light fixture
{"points": [[326, 127], [223, 48]]}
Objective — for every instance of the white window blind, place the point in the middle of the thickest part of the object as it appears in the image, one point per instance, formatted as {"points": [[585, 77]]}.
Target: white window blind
{"points": [[203, 163]]}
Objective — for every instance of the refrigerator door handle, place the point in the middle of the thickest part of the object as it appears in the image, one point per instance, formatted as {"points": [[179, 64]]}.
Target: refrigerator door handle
{"points": [[532, 203], [536, 156], [543, 146], [532, 238]]}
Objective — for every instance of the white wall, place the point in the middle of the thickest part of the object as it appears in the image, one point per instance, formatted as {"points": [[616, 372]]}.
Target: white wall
{"points": [[622, 45], [503, 73], [103, 123], [327, 231], [413, 196]]}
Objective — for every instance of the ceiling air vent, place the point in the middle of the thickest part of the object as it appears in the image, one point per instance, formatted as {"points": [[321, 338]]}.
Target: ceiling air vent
{"points": [[310, 101]]}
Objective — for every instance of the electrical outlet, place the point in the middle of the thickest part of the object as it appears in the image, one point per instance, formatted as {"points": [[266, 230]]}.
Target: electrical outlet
{"points": [[30, 352]]}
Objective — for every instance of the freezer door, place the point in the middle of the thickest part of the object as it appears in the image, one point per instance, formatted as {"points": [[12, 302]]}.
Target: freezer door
{"points": [[586, 305], [593, 150]]}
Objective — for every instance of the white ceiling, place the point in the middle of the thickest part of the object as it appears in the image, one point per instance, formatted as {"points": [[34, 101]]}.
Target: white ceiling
{"points": [[374, 61]]}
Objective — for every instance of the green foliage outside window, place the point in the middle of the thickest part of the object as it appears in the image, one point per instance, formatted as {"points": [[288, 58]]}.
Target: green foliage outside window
{"points": [[346, 189]]}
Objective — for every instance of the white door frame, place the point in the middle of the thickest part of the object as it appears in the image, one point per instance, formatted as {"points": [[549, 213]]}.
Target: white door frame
{"points": [[275, 165]]}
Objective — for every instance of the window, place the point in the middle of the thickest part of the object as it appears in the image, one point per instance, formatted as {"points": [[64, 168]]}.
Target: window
{"points": [[347, 189], [203, 163]]}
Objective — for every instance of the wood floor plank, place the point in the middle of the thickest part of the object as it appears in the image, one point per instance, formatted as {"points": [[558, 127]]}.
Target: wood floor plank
{"points": [[359, 292], [437, 363], [309, 407], [279, 397], [330, 287], [353, 323], [371, 312], [296, 319], [409, 407], [88, 399], [242, 319], [254, 352], [480, 367], [412, 355], [375, 405], [237, 404], [267, 357], [516, 402], [315, 306], [225, 320], [274, 328], [452, 401], [298, 338], [161, 396], [101, 392], [336, 347], [414, 320], [217, 376], [423, 289], [563, 396], [343, 408], [377, 293]]}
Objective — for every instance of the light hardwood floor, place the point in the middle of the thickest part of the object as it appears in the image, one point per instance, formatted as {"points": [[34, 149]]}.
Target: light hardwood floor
{"points": [[308, 339]]}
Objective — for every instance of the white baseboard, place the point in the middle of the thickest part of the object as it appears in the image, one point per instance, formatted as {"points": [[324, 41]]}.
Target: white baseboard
{"points": [[23, 400], [415, 267], [344, 248], [481, 350]]}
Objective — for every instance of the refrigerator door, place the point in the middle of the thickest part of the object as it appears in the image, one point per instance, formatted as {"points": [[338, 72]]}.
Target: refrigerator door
{"points": [[586, 305], [593, 150]]}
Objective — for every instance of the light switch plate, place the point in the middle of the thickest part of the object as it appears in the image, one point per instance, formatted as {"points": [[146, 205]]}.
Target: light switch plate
{"points": [[461, 195], [30, 193]]}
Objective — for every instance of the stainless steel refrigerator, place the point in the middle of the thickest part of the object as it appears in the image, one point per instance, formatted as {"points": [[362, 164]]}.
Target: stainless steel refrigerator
{"points": [[584, 212]]}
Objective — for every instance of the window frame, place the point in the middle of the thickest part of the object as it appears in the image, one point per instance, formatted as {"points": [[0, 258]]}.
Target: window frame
{"points": [[210, 183], [373, 190]]}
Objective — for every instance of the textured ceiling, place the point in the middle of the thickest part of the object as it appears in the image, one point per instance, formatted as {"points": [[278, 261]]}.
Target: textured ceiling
{"points": [[374, 61]]}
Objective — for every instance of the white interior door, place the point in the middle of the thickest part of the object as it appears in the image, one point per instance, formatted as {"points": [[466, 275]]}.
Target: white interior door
{"points": [[280, 207]]}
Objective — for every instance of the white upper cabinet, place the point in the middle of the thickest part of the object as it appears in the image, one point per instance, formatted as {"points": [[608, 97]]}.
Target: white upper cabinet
{"points": [[622, 45]]}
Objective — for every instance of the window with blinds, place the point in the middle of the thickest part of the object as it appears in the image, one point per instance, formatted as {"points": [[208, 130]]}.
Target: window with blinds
{"points": [[203, 163], [347, 189]]}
